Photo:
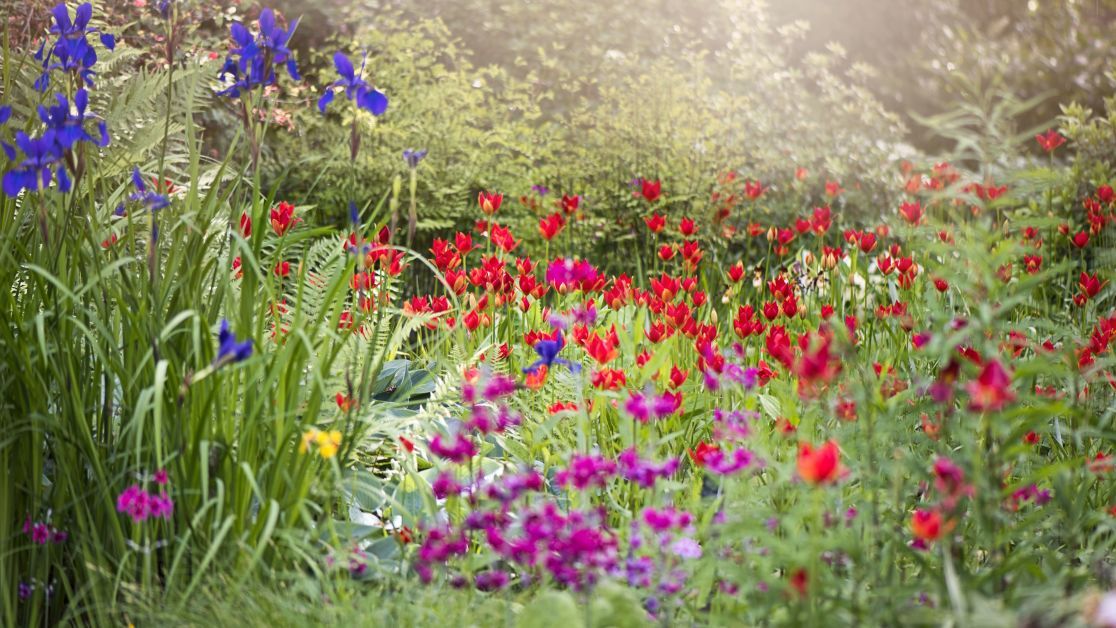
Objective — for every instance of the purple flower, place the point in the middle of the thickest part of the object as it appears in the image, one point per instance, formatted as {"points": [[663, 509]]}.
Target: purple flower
{"points": [[358, 563], [41, 162], [445, 485], [161, 505], [586, 471], [666, 519], [135, 502], [150, 199], [40, 533], [229, 349], [459, 451], [160, 477], [412, 156], [492, 580], [644, 472], [733, 425], [68, 123], [722, 464], [541, 190], [71, 51], [567, 275], [358, 91], [685, 547], [548, 355], [498, 386], [639, 570], [509, 488], [25, 590], [250, 63]]}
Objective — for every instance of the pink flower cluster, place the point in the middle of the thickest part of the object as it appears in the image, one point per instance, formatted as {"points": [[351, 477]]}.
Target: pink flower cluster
{"points": [[43, 533], [141, 505], [567, 275]]}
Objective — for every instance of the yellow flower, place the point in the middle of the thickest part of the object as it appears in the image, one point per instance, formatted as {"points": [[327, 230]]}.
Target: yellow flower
{"points": [[329, 443], [308, 437]]}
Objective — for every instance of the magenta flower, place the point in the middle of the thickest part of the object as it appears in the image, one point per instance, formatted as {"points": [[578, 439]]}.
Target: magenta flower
{"points": [[459, 451], [135, 502], [566, 275], [161, 505], [586, 471], [644, 472]]}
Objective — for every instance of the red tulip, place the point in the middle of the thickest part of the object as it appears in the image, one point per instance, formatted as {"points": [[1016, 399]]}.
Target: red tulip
{"points": [[820, 465], [489, 202], [282, 219], [245, 224], [686, 227], [992, 389], [651, 190], [655, 222], [1050, 140], [570, 204], [911, 212], [551, 226], [1090, 284]]}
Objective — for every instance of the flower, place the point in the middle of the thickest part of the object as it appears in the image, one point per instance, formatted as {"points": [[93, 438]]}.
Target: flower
{"points": [[71, 51], [567, 275], [250, 62], [926, 525], [68, 123], [360, 92], [149, 199], [489, 202], [570, 203], [585, 471], [703, 453], [229, 349], [911, 212], [327, 442], [650, 190], [992, 389], [819, 465], [547, 351], [413, 157], [135, 502], [35, 169], [283, 218], [1050, 140], [459, 451], [655, 222], [1090, 285], [551, 226]]}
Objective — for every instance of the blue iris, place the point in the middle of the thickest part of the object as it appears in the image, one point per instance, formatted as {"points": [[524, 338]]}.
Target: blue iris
{"points": [[149, 198], [413, 157], [251, 63], [356, 88], [40, 155], [69, 124], [548, 355], [71, 51], [229, 349]]}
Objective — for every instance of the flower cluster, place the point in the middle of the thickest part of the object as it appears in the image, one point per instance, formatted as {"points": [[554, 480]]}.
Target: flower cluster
{"points": [[140, 505], [71, 51], [250, 63], [41, 532]]}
